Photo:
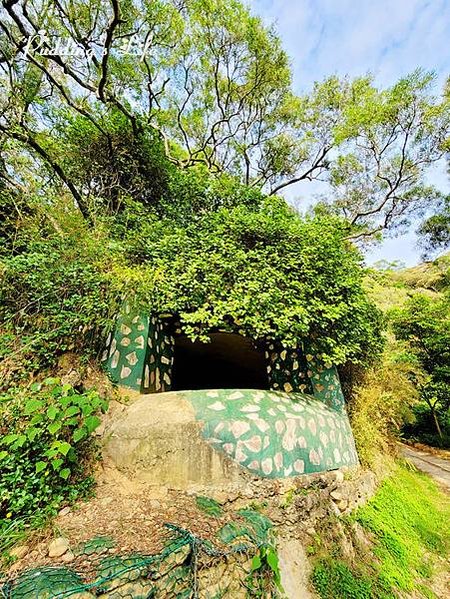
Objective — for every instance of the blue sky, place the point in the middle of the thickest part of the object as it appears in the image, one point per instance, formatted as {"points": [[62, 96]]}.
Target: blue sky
{"points": [[387, 38]]}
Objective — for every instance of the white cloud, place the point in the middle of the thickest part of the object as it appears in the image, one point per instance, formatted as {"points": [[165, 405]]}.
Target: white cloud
{"points": [[388, 38]]}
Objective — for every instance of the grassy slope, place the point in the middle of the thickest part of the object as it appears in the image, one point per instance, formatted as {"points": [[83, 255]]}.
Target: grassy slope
{"points": [[390, 289], [407, 520], [407, 524]]}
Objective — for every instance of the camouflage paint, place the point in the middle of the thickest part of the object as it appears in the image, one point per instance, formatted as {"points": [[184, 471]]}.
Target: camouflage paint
{"points": [[301, 426]]}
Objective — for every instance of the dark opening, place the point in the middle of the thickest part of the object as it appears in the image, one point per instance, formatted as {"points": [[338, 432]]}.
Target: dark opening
{"points": [[228, 361]]}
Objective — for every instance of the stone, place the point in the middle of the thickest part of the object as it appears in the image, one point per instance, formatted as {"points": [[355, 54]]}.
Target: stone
{"points": [[19, 551], [336, 495], [335, 511], [140, 588], [220, 496], [72, 378], [342, 505], [339, 476], [360, 537], [68, 557], [64, 511], [311, 531], [295, 569], [58, 547]]}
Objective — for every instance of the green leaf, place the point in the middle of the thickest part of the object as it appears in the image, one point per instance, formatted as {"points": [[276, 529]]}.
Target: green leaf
{"points": [[79, 434], [71, 411], [272, 559], [37, 418], [9, 439], [91, 423], [21, 440], [3, 455], [52, 412], [65, 447], [33, 405], [87, 409], [54, 427], [65, 473], [31, 433], [51, 453], [40, 466], [256, 562], [57, 463]]}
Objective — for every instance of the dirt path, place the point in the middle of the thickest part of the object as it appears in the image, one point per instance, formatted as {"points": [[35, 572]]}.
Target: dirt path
{"points": [[436, 467]]}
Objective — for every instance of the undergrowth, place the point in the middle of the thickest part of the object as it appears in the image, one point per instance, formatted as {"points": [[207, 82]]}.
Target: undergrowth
{"points": [[407, 524], [45, 452]]}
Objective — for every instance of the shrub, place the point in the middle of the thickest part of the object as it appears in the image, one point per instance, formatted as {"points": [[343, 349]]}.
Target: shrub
{"points": [[46, 438], [57, 297], [381, 404], [275, 275]]}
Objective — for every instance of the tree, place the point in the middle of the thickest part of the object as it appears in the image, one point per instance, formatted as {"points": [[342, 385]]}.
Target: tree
{"points": [[264, 270], [425, 323], [434, 232], [214, 85]]}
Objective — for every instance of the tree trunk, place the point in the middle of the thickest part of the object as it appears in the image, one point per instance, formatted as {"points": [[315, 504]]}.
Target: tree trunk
{"points": [[436, 422]]}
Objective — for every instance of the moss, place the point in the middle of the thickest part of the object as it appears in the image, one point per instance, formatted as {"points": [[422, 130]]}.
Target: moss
{"points": [[407, 522], [335, 580]]}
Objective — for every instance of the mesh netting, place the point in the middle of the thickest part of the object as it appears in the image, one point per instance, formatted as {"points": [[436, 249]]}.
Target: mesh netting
{"points": [[188, 567]]}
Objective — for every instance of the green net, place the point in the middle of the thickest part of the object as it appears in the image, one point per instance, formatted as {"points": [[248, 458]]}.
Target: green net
{"points": [[187, 567]]}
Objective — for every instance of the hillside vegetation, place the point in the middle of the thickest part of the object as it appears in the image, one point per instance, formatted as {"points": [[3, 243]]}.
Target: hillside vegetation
{"points": [[405, 394], [395, 546], [147, 167]]}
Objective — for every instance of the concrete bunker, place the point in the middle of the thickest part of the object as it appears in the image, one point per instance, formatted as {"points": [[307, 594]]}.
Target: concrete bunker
{"points": [[254, 404]]}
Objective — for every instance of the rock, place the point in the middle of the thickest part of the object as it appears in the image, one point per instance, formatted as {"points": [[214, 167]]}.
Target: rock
{"points": [[68, 557], [72, 378], [311, 531], [342, 505], [339, 476], [19, 551], [334, 510], [294, 569], [64, 511], [336, 495], [58, 547], [220, 496]]}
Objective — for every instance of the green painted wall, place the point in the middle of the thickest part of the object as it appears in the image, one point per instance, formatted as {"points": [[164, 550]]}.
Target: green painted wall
{"points": [[275, 434]]}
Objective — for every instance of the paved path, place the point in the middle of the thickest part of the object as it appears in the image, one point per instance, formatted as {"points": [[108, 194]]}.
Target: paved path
{"points": [[437, 468]]}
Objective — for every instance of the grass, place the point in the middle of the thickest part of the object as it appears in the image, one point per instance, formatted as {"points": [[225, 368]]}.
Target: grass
{"points": [[407, 522]]}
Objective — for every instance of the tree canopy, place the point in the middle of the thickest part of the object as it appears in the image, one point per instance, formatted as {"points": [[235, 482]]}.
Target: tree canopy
{"points": [[210, 83]]}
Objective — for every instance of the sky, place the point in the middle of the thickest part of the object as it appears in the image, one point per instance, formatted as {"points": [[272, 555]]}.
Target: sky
{"points": [[388, 38]]}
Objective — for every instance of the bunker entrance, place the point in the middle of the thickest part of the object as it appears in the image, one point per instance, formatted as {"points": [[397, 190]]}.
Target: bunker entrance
{"points": [[228, 361]]}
